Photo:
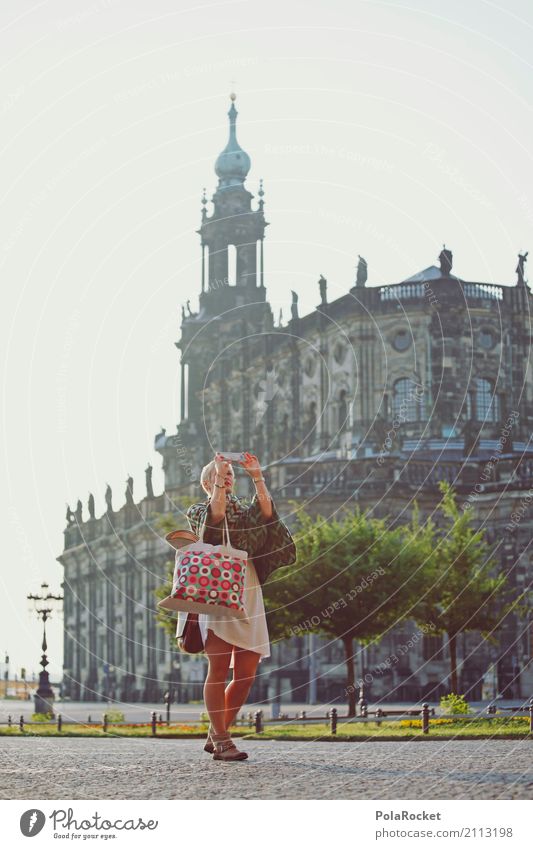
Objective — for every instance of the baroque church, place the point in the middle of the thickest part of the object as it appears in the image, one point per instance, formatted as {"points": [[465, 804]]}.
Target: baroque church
{"points": [[371, 399]]}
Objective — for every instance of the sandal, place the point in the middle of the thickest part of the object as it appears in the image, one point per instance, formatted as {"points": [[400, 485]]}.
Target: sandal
{"points": [[209, 745], [226, 750]]}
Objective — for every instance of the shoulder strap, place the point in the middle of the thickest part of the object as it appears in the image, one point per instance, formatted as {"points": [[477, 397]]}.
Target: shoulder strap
{"points": [[225, 530]]}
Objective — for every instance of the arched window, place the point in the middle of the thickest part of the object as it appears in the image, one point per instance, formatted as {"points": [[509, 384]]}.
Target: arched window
{"points": [[486, 402], [232, 267], [407, 400]]}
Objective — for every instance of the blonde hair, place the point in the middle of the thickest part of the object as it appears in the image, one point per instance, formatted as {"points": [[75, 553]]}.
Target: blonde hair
{"points": [[207, 474]]}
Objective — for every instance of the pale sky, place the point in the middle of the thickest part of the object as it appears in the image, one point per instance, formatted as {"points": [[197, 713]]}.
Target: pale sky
{"points": [[379, 128]]}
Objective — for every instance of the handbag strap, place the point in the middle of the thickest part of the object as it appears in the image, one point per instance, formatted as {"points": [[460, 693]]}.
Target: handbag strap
{"points": [[225, 531]]}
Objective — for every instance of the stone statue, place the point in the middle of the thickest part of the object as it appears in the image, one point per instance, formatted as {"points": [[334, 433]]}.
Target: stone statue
{"points": [[379, 432], [471, 436], [283, 437], [323, 286], [520, 268], [78, 512], [362, 271], [294, 305], [70, 517], [108, 499], [191, 314], [90, 505], [280, 318], [148, 476], [259, 441], [182, 313], [445, 259], [310, 427], [343, 412], [129, 490]]}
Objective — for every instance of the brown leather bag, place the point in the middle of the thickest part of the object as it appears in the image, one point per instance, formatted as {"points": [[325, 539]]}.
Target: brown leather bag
{"points": [[191, 639]]}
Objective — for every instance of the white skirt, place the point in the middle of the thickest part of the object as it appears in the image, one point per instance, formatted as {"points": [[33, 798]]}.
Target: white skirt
{"points": [[251, 634]]}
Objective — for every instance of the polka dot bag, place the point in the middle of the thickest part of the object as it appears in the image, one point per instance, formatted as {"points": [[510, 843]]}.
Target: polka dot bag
{"points": [[208, 578]]}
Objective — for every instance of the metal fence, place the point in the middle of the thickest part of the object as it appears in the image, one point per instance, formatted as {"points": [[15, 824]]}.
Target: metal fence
{"points": [[257, 721]]}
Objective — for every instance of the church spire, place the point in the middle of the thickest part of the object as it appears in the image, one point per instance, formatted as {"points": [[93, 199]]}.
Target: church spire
{"points": [[232, 235], [233, 163]]}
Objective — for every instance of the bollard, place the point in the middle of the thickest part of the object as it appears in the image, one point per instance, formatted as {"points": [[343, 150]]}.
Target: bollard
{"points": [[379, 713], [531, 716], [258, 722], [21, 723], [363, 707], [250, 719], [9, 721], [154, 723], [160, 717], [425, 718], [89, 720], [59, 722], [104, 723], [167, 698], [333, 720]]}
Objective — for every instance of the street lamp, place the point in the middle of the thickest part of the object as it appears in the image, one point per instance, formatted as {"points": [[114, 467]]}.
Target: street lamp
{"points": [[44, 606]]}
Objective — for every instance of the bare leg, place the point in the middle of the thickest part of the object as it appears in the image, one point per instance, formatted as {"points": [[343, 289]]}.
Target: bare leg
{"points": [[218, 652], [243, 676]]}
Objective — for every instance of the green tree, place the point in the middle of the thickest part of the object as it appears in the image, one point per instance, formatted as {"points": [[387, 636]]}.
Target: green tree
{"points": [[355, 578], [468, 593]]}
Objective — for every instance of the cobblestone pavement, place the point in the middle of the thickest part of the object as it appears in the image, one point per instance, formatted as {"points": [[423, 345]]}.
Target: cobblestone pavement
{"points": [[42, 768]]}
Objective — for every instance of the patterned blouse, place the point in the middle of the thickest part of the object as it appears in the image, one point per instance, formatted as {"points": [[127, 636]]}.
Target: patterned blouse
{"points": [[245, 522], [267, 541]]}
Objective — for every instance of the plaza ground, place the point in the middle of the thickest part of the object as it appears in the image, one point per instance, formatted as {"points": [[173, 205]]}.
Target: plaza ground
{"points": [[77, 768]]}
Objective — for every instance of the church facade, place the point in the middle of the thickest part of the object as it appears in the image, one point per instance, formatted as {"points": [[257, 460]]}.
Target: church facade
{"points": [[372, 398]]}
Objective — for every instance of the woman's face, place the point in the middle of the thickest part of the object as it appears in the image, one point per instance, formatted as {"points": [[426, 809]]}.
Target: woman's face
{"points": [[229, 480]]}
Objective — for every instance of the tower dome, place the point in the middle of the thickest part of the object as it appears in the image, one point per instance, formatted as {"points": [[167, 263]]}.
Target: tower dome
{"points": [[233, 163]]}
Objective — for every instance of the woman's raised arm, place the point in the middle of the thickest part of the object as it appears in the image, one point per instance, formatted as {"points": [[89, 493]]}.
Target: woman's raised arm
{"points": [[252, 466]]}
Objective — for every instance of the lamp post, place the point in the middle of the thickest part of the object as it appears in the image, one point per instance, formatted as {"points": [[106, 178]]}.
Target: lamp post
{"points": [[44, 607]]}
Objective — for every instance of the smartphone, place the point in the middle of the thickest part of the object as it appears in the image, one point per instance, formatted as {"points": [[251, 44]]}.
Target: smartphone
{"points": [[232, 456]]}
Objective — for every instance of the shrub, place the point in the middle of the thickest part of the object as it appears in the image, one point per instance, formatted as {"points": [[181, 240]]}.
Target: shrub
{"points": [[452, 703], [42, 717], [115, 716]]}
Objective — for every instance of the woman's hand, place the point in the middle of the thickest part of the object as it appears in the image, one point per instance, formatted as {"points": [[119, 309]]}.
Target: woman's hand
{"points": [[251, 465], [222, 466]]}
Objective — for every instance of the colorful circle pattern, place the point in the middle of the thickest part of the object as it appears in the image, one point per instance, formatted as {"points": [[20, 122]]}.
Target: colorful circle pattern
{"points": [[209, 579]]}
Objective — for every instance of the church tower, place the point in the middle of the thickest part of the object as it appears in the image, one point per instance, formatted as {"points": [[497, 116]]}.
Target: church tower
{"points": [[232, 325], [232, 237]]}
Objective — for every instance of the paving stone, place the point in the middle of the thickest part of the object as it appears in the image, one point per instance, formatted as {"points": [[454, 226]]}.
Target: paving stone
{"points": [[52, 768]]}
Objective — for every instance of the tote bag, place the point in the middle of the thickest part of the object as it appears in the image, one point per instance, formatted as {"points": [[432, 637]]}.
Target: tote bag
{"points": [[208, 578]]}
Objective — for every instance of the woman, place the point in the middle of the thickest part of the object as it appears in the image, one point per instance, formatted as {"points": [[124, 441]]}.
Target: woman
{"points": [[229, 642]]}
